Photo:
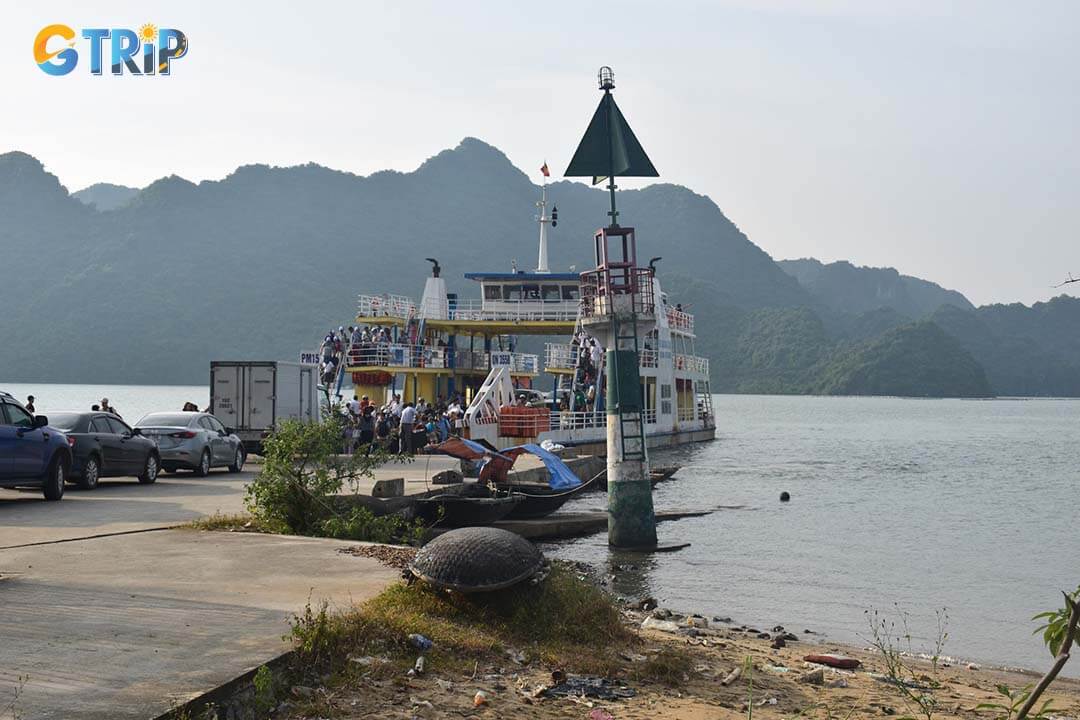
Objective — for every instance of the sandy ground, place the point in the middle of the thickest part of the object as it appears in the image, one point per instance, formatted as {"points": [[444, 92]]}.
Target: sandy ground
{"points": [[776, 687]]}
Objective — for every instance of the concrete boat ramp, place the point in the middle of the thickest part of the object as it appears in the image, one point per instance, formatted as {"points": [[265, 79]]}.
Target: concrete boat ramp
{"points": [[110, 610]]}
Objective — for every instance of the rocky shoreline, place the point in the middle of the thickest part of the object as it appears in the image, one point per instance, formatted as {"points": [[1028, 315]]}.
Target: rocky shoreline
{"points": [[692, 667]]}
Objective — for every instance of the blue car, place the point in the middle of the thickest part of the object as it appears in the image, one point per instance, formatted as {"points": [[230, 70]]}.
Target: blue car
{"points": [[32, 454]]}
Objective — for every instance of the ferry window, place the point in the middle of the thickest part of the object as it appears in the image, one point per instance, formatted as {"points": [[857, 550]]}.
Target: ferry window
{"points": [[511, 292], [569, 292], [493, 292], [531, 292], [549, 292]]}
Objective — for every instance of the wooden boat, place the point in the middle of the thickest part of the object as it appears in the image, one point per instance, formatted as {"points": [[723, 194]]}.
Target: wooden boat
{"points": [[540, 500], [463, 511]]}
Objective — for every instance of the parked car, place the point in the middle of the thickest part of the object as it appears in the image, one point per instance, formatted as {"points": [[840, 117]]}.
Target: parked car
{"points": [[532, 398], [194, 441], [32, 454], [103, 445]]}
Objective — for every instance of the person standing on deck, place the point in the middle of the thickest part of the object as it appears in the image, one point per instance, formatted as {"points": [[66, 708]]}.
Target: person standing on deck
{"points": [[408, 419]]}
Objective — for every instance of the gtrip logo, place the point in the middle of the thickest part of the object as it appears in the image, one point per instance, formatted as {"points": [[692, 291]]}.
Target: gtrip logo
{"points": [[146, 52]]}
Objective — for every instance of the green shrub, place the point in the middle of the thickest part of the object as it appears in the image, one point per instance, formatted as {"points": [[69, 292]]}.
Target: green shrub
{"points": [[302, 468]]}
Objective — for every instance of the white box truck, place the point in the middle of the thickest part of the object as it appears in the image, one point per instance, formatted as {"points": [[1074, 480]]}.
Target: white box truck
{"points": [[251, 397]]}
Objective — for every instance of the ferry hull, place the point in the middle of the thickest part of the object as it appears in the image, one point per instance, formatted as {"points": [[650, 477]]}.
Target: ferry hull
{"points": [[594, 442]]}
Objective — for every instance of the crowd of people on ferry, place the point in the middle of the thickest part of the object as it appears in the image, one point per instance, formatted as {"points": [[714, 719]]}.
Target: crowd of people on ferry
{"points": [[367, 346], [401, 427], [589, 355]]}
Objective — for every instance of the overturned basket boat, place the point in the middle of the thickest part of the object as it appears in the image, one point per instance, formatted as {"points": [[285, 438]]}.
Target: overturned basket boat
{"points": [[477, 559]]}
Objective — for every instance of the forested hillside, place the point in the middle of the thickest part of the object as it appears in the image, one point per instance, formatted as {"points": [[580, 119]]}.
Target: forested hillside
{"points": [[118, 285]]}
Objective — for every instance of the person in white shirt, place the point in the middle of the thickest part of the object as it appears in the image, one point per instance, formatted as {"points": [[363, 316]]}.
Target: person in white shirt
{"points": [[395, 406], [408, 419], [354, 407]]}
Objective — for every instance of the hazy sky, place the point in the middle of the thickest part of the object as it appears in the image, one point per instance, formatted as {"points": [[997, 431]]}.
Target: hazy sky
{"points": [[936, 137]]}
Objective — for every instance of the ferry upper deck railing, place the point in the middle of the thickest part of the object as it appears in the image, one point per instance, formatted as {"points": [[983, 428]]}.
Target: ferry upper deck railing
{"points": [[508, 311], [564, 356], [680, 321], [427, 356], [692, 363], [396, 306], [560, 356], [599, 287]]}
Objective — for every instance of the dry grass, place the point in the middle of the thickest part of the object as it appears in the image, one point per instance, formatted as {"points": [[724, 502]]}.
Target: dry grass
{"points": [[238, 522], [562, 622]]}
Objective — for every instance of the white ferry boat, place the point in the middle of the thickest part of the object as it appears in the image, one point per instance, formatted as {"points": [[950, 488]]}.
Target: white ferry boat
{"points": [[442, 345]]}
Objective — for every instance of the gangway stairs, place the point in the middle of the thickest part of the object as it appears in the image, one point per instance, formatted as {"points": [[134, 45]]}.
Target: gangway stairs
{"points": [[482, 415]]}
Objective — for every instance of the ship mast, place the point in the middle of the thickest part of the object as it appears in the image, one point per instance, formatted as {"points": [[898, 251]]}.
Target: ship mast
{"points": [[542, 260], [543, 219]]}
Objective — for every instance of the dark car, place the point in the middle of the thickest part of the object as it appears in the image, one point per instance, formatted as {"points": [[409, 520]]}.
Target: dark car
{"points": [[103, 445], [194, 441], [32, 454]]}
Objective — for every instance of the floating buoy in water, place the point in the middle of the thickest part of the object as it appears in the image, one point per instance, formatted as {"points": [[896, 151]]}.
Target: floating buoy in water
{"points": [[784, 497]]}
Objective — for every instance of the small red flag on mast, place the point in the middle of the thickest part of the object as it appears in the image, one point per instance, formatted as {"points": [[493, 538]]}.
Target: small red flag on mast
{"points": [[544, 170]]}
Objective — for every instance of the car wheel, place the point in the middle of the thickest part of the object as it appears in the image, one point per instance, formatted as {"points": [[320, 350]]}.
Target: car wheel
{"points": [[238, 461], [203, 468], [90, 475], [53, 485], [150, 470]]}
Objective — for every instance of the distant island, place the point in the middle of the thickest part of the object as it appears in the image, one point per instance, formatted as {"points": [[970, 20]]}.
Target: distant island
{"points": [[127, 285]]}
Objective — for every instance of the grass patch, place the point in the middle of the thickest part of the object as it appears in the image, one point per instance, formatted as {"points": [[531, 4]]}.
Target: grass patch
{"points": [[671, 666], [238, 522], [564, 622]]}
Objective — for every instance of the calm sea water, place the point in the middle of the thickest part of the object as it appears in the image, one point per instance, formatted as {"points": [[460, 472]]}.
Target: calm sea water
{"points": [[924, 504], [131, 401], [928, 504]]}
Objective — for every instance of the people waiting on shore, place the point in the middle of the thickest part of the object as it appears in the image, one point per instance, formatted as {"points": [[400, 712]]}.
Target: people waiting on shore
{"points": [[408, 420], [30, 404], [106, 407]]}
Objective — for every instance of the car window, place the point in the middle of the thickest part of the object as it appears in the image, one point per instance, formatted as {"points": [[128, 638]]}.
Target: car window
{"points": [[204, 422], [100, 425], [216, 425], [118, 426], [17, 416]]}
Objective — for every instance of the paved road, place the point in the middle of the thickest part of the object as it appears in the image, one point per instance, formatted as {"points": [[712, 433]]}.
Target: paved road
{"points": [[106, 621], [118, 505]]}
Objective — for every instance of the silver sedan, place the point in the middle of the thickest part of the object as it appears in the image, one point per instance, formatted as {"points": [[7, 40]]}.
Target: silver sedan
{"points": [[194, 441]]}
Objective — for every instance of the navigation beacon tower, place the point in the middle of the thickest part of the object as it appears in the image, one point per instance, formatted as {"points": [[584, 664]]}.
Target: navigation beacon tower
{"points": [[618, 307]]}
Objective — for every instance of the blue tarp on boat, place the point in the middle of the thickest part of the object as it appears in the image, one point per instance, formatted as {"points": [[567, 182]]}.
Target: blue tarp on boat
{"points": [[494, 465], [561, 477]]}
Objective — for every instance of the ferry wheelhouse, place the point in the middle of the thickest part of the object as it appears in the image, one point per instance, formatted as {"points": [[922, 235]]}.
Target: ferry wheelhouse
{"points": [[488, 349]]}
